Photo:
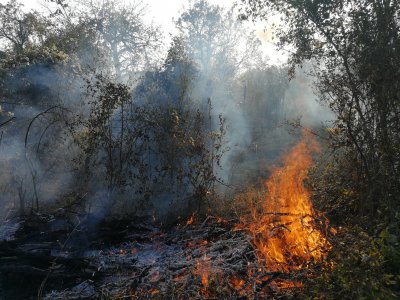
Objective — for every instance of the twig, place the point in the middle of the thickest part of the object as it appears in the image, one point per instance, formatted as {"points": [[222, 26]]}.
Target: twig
{"points": [[33, 120], [9, 120], [42, 285]]}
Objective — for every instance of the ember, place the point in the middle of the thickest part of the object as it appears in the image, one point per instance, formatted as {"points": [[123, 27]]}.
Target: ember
{"points": [[203, 268], [190, 220]]}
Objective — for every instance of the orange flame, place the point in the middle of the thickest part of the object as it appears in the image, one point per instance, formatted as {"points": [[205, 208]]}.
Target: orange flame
{"points": [[190, 220], [203, 269], [285, 233], [239, 285]]}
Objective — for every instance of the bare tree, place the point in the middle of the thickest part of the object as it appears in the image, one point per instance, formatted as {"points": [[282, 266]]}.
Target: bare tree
{"points": [[123, 34]]}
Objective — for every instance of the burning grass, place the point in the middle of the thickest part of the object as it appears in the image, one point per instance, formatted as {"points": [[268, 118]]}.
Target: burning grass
{"points": [[286, 230], [269, 253], [287, 233]]}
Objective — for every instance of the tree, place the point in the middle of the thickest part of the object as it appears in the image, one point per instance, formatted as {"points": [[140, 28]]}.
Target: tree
{"points": [[263, 93], [123, 34], [355, 47], [222, 48], [19, 28], [217, 41], [173, 82], [145, 154]]}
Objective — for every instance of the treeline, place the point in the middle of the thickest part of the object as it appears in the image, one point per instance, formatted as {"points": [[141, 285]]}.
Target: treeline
{"points": [[97, 116]]}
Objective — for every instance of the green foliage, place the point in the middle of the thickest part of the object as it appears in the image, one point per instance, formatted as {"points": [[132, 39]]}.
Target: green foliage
{"points": [[365, 259], [358, 269], [336, 189], [18, 29], [388, 240], [354, 46]]}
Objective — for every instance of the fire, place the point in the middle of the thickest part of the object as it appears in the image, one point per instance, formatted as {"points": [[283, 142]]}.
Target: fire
{"points": [[203, 269], [239, 285], [190, 220], [284, 232], [154, 291]]}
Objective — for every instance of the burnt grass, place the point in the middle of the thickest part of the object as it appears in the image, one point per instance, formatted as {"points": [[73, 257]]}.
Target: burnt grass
{"points": [[53, 257], [48, 252]]}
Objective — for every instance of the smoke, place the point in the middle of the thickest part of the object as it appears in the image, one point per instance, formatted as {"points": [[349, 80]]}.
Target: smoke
{"points": [[146, 162], [301, 101], [255, 99], [38, 172], [37, 150]]}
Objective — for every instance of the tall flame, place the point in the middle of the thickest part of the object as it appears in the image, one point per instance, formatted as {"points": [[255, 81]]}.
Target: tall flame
{"points": [[284, 232]]}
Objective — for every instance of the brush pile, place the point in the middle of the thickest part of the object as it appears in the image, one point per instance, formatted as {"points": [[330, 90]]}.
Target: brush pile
{"points": [[136, 260]]}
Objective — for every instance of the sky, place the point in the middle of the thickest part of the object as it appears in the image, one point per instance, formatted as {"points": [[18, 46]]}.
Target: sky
{"points": [[162, 12]]}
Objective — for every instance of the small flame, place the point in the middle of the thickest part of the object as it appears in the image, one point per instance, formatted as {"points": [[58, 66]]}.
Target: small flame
{"points": [[190, 220], [154, 291], [203, 269], [237, 283]]}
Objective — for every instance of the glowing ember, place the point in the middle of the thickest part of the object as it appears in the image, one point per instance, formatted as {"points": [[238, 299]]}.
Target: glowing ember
{"points": [[203, 269], [238, 284], [285, 233], [190, 220], [154, 291]]}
